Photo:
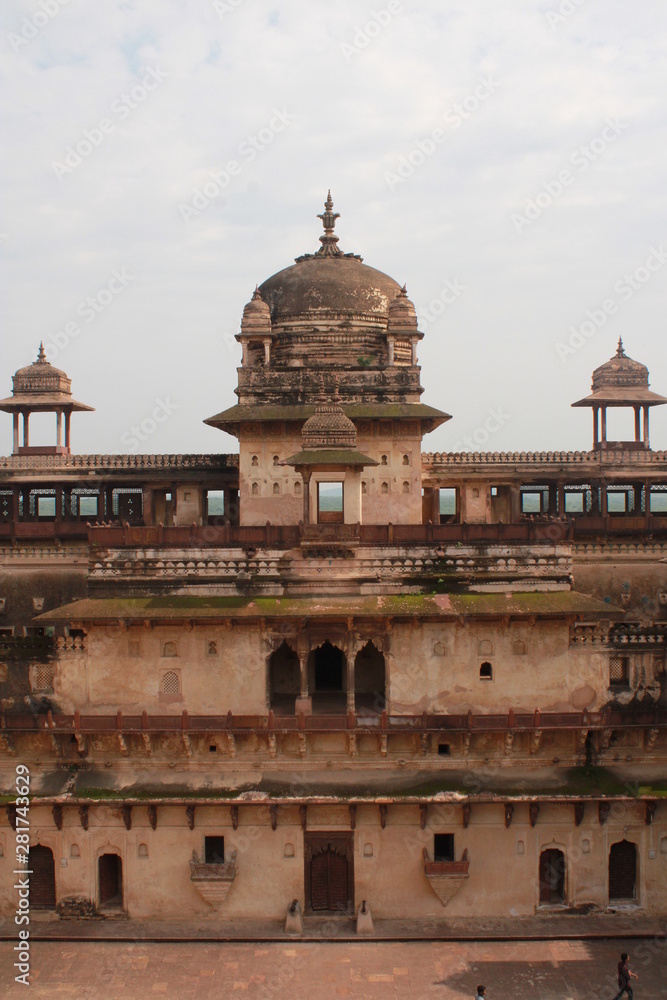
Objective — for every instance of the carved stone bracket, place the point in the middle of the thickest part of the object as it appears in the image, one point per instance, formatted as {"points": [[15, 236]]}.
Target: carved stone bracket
{"points": [[383, 815], [467, 809], [83, 816], [152, 816], [509, 812], [353, 816], [126, 813], [579, 808], [649, 812], [604, 809], [234, 811], [303, 815], [273, 813], [57, 813], [190, 816], [534, 812]]}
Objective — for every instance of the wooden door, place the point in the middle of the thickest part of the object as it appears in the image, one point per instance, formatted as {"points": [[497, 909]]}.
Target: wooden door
{"points": [[43, 878], [329, 873]]}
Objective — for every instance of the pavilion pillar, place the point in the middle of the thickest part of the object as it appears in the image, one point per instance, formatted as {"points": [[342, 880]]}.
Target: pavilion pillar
{"points": [[306, 495], [304, 703], [59, 428], [16, 433], [638, 436], [603, 498], [26, 429], [603, 434], [647, 443], [596, 422], [561, 498], [68, 415]]}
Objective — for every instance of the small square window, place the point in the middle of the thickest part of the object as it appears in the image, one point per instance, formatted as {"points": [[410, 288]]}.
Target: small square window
{"points": [[214, 850], [443, 847], [444, 750], [486, 672]]}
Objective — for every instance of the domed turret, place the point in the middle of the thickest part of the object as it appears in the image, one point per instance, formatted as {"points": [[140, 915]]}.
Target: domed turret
{"points": [[40, 387], [329, 428], [620, 382]]}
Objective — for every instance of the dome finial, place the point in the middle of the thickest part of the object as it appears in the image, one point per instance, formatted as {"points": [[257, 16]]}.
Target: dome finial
{"points": [[41, 354], [329, 239], [620, 353]]}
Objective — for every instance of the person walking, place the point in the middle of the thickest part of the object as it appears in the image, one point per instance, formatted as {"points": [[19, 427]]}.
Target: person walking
{"points": [[481, 993], [624, 977]]}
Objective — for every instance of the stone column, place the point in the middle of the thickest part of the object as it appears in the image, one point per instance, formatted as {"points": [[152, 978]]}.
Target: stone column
{"points": [[304, 703], [350, 653], [647, 443], [16, 433], [596, 410], [59, 428], [306, 495], [26, 429], [68, 417]]}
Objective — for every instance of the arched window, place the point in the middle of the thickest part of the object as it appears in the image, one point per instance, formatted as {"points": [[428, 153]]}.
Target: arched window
{"points": [[406, 460], [254, 489], [297, 489], [170, 649], [171, 683], [406, 486], [383, 460], [486, 672], [384, 488], [254, 461], [276, 489], [276, 459], [364, 486], [212, 648]]}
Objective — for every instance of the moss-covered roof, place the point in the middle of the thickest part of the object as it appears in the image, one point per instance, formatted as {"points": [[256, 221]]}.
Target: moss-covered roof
{"points": [[234, 415], [555, 604], [329, 456]]}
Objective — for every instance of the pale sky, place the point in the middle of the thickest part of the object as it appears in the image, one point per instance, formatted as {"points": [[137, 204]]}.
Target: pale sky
{"points": [[514, 152]]}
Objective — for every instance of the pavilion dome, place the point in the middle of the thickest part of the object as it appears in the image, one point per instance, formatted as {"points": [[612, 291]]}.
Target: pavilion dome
{"points": [[41, 377], [328, 427], [620, 372], [256, 316], [329, 284]]}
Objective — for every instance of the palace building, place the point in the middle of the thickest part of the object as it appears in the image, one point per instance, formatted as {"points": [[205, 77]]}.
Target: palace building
{"points": [[334, 667]]}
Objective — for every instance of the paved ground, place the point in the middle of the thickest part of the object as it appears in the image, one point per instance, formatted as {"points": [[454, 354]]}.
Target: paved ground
{"points": [[546, 970]]}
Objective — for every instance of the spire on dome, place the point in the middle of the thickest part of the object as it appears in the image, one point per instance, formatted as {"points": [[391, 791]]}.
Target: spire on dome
{"points": [[329, 240], [620, 353], [41, 354]]}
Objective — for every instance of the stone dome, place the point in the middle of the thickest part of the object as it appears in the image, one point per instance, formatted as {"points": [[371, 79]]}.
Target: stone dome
{"points": [[41, 377], [256, 316], [620, 372], [329, 284], [402, 314], [328, 427]]}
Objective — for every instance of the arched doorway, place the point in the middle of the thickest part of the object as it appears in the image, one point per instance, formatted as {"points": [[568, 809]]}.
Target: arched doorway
{"points": [[552, 877], [43, 878], [284, 679], [369, 679], [327, 676], [623, 870], [110, 869], [329, 859]]}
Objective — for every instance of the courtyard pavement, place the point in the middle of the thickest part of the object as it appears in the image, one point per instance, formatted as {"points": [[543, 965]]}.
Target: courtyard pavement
{"points": [[529, 970]]}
